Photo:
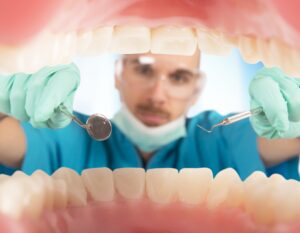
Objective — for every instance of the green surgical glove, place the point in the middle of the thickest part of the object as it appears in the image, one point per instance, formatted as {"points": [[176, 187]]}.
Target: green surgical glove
{"points": [[279, 96], [35, 97]]}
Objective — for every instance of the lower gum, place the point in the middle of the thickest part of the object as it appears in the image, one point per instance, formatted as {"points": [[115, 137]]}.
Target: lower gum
{"points": [[141, 217]]}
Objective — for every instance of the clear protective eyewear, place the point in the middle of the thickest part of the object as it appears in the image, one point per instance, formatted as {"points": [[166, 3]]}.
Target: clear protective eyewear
{"points": [[144, 73]]}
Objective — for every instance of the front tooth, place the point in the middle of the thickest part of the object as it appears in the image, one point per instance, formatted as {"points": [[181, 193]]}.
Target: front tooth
{"points": [[130, 40], [248, 48], [212, 42], [84, 39], [35, 187], [12, 193], [161, 185], [99, 183], [47, 183], [60, 194], [99, 43], [269, 52], [173, 40], [63, 48], [21, 196], [130, 182], [226, 189], [77, 195], [193, 185]]}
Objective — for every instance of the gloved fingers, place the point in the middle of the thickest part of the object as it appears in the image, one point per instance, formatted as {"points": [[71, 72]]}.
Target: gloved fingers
{"points": [[35, 89], [291, 92], [293, 132], [289, 88], [266, 93], [61, 85], [18, 97], [263, 130], [6, 83], [59, 119]]}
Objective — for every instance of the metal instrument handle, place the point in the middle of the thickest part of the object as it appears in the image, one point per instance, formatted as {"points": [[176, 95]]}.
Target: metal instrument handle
{"points": [[65, 111], [242, 115]]}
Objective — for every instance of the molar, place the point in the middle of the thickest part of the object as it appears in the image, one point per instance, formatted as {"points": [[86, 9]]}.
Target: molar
{"points": [[226, 189]]}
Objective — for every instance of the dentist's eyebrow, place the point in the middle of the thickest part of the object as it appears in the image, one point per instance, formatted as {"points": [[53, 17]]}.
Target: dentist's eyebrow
{"points": [[183, 71]]}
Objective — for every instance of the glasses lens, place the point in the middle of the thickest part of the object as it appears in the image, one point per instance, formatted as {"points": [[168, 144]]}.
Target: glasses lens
{"points": [[181, 83]]}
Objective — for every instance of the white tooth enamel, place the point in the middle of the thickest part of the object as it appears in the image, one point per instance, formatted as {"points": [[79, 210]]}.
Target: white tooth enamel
{"points": [[261, 195], [287, 207], [173, 40], [265, 51], [248, 48], [290, 61], [18, 174], [21, 196], [100, 42], [60, 194], [77, 195], [193, 185], [226, 189], [84, 39], [47, 184], [254, 182], [63, 48], [130, 40], [49, 48], [161, 185], [3, 178], [99, 183], [212, 42], [12, 193], [130, 182], [254, 179]]}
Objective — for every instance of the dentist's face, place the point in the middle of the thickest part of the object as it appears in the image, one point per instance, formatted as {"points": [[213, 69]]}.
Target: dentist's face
{"points": [[159, 88]]}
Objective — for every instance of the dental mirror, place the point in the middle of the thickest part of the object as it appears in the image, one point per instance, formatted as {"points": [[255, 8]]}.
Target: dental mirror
{"points": [[97, 125]]}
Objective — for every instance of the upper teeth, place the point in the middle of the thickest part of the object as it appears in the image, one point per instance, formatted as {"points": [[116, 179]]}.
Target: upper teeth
{"points": [[50, 49]]}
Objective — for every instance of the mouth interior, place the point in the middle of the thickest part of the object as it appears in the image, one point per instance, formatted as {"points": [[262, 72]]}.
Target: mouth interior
{"points": [[143, 216]]}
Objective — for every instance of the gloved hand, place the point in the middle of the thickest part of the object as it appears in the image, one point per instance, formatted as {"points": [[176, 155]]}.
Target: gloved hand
{"points": [[279, 96], [35, 97]]}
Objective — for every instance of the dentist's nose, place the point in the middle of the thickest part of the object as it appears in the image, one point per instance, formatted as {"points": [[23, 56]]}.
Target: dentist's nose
{"points": [[158, 91]]}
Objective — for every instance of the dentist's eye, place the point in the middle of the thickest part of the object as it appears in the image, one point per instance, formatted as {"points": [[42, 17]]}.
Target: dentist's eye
{"points": [[145, 70], [181, 78]]}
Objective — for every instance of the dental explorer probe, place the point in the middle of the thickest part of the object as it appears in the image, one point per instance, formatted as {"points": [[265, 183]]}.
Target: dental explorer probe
{"points": [[97, 125], [235, 118]]}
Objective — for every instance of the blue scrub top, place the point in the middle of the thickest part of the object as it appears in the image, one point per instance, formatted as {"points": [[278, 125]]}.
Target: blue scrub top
{"points": [[232, 146]]}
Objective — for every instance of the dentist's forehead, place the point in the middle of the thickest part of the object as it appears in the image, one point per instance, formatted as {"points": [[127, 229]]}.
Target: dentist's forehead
{"points": [[188, 61]]}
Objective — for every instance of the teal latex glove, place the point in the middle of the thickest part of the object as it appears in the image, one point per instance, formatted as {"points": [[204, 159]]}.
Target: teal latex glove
{"points": [[35, 97], [279, 96]]}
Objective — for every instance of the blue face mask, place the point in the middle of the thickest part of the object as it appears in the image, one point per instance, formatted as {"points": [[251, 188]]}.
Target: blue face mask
{"points": [[148, 139]]}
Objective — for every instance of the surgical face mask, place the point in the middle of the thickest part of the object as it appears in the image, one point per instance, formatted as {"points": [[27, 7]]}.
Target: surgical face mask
{"points": [[148, 139]]}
